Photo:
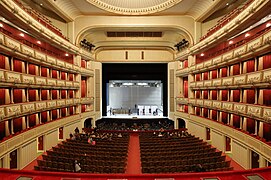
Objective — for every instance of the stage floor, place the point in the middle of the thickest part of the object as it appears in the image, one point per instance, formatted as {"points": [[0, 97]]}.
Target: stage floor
{"points": [[134, 116]]}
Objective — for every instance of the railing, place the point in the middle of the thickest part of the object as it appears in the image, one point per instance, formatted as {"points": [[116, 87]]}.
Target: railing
{"points": [[257, 78]]}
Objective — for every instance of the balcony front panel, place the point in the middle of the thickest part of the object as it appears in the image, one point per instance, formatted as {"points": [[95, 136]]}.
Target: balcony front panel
{"points": [[217, 82], [76, 84], [240, 51], [51, 104], [2, 76], [208, 83], [51, 60], [267, 114], [199, 102], [12, 44], [192, 84], [40, 81], [40, 56], [60, 83], [13, 110], [255, 44], [28, 107], [228, 81], [2, 113], [227, 106], [28, 79], [240, 79], [13, 77], [61, 103], [255, 77], [208, 63], [199, 84], [217, 104], [27, 50], [227, 56], [267, 76], [240, 108], [267, 38], [77, 101], [254, 111], [199, 66], [40, 106], [51, 82], [69, 102], [208, 103], [217, 60], [192, 101], [69, 84], [69, 66], [2, 39], [60, 63]]}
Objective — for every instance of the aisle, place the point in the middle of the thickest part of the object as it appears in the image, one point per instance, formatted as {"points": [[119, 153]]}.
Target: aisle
{"points": [[133, 160]]}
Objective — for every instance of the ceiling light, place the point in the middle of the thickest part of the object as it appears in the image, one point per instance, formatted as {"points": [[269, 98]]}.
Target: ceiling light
{"points": [[247, 34], [66, 54], [230, 42], [38, 42], [21, 34], [227, 4], [268, 24], [142, 84], [202, 54], [1, 25], [127, 84], [41, 4]]}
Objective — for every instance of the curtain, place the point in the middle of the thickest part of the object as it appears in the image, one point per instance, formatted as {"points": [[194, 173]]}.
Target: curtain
{"points": [[185, 87], [205, 113], [185, 64], [214, 114], [225, 117], [44, 72], [17, 96], [235, 69], [205, 94], [17, 125], [250, 96], [44, 117], [250, 65], [236, 95], [267, 97], [55, 74], [63, 75], [198, 77], [185, 108], [223, 72], [267, 61], [71, 110], [214, 94], [32, 95], [224, 95], [83, 108], [83, 63], [214, 74], [71, 93], [2, 130], [32, 120], [236, 121], [63, 94], [63, 112], [54, 94], [32, 69], [44, 94], [83, 88], [205, 76], [267, 131], [70, 77], [197, 94], [17, 66], [4, 62], [251, 125]]}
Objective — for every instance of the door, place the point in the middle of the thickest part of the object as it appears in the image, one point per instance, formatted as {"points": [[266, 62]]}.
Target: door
{"points": [[181, 123], [40, 143], [228, 144], [255, 160], [13, 159], [208, 134], [60, 133]]}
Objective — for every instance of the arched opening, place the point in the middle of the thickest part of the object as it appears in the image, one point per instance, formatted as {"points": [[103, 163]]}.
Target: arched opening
{"points": [[88, 123], [181, 123]]}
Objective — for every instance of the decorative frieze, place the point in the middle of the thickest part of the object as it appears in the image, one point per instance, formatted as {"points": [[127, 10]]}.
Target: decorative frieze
{"points": [[217, 60], [40, 106], [240, 79], [267, 76], [267, 114], [27, 50], [199, 84], [60, 63], [255, 77], [227, 106], [208, 63], [217, 82], [193, 84], [28, 107], [40, 80], [240, 108], [69, 102], [61, 103], [240, 51], [40, 56], [228, 81], [227, 56], [208, 83], [13, 44], [60, 83], [2, 76], [51, 60], [208, 103], [13, 110], [2, 113], [51, 104], [217, 104], [253, 45], [28, 79], [199, 102], [13, 77], [254, 111], [51, 82]]}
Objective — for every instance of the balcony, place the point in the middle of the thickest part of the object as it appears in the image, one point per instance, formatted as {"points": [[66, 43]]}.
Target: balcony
{"points": [[87, 100], [182, 72], [180, 100], [86, 72]]}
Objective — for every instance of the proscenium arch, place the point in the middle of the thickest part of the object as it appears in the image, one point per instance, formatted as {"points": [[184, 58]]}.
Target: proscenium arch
{"points": [[179, 30]]}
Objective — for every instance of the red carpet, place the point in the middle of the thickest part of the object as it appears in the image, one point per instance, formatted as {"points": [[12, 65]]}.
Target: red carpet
{"points": [[133, 161]]}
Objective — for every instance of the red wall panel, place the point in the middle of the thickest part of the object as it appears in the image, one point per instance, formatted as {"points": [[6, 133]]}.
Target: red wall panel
{"points": [[32, 120], [17, 124], [267, 61], [32, 95], [250, 96], [251, 125], [267, 131], [2, 130], [44, 117], [54, 114], [32, 69], [17, 65], [236, 121], [17, 96]]}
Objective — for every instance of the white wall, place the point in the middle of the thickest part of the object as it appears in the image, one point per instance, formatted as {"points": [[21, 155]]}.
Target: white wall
{"points": [[240, 154], [28, 153], [218, 140], [126, 97], [196, 130], [51, 139]]}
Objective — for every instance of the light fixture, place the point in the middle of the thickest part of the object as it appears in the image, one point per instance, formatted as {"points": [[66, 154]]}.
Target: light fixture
{"points": [[142, 84], [38, 42], [230, 42], [227, 4], [41, 4], [268, 25], [127, 84], [21, 34], [66, 54], [247, 35], [1, 25], [202, 54]]}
